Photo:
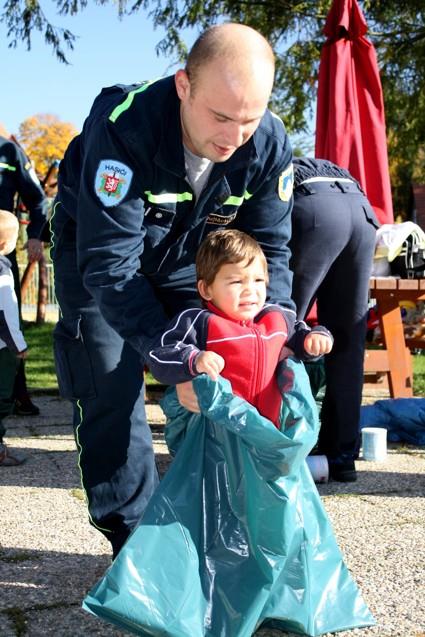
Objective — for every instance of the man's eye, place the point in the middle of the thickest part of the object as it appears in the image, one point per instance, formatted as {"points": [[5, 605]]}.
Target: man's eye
{"points": [[260, 280]]}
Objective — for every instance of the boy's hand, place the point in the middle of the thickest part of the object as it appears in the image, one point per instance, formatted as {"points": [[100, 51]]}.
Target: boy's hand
{"points": [[316, 344], [209, 363]]}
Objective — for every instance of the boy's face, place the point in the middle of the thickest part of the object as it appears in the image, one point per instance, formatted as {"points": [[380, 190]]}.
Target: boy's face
{"points": [[238, 290]]}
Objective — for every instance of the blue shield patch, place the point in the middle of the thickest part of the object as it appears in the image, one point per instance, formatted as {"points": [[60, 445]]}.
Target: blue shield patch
{"points": [[112, 181]]}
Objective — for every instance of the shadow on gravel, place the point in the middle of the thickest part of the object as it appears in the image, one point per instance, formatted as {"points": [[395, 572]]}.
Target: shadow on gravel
{"points": [[384, 483]]}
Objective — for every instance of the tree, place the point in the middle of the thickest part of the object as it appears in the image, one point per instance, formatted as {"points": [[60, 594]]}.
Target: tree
{"points": [[45, 138], [295, 29]]}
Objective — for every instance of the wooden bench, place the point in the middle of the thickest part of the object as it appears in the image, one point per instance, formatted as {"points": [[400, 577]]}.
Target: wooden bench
{"points": [[394, 359]]}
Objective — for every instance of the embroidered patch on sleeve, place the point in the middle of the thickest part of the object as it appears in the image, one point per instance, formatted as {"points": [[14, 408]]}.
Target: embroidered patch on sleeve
{"points": [[112, 181], [286, 183]]}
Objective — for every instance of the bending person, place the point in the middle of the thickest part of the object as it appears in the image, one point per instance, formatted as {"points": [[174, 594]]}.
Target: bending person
{"points": [[332, 244], [157, 166]]}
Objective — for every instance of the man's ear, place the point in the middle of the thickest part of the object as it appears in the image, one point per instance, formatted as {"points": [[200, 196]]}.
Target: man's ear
{"points": [[203, 290], [182, 84]]}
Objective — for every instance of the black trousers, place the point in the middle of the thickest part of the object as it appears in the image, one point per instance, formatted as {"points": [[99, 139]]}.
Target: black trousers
{"points": [[102, 375], [332, 245]]}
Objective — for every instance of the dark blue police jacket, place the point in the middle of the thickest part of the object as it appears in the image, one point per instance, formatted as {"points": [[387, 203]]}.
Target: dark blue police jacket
{"points": [[135, 219], [18, 176]]}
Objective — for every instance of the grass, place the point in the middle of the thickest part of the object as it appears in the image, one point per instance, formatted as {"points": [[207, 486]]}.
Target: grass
{"points": [[40, 368], [419, 374]]}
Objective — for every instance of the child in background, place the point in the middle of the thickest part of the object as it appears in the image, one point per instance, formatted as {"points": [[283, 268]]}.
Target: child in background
{"points": [[12, 343], [237, 334]]}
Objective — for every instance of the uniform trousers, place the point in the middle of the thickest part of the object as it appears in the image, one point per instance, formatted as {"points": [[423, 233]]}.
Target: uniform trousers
{"points": [[103, 376], [332, 245]]}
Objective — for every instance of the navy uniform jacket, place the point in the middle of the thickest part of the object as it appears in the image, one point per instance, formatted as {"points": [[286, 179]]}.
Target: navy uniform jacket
{"points": [[18, 176], [122, 182]]}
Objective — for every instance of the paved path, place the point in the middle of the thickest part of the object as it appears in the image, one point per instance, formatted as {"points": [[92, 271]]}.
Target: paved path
{"points": [[50, 556]]}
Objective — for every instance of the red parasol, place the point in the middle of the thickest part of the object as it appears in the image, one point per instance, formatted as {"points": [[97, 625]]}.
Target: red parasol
{"points": [[350, 125]]}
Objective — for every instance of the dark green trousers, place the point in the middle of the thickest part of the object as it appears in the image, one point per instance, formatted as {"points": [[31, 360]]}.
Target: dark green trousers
{"points": [[9, 363]]}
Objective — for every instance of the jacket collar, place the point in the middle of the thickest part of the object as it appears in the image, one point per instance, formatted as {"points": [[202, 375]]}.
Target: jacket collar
{"points": [[215, 310]]}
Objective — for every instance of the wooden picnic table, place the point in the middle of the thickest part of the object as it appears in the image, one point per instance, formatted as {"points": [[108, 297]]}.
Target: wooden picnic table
{"points": [[394, 358]]}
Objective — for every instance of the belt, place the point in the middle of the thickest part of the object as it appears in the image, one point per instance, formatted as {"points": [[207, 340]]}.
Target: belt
{"points": [[312, 180], [338, 184]]}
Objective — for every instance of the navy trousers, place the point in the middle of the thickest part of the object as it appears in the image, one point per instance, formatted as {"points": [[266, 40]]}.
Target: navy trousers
{"points": [[333, 240], [103, 377]]}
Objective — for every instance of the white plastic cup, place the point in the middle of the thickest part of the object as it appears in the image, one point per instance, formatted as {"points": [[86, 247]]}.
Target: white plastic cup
{"points": [[319, 468], [374, 444]]}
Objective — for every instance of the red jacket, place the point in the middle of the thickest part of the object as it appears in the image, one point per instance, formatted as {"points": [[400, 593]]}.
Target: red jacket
{"points": [[251, 350]]}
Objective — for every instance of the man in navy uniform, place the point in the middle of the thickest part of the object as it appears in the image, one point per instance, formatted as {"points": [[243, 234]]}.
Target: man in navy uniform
{"points": [[156, 167], [332, 246], [18, 178]]}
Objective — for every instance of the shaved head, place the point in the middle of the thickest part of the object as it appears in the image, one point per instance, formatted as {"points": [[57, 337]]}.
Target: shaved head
{"points": [[240, 50], [224, 90]]}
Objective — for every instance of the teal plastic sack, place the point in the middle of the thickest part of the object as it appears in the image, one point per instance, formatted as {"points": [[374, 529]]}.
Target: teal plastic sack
{"points": [[235, 537]]}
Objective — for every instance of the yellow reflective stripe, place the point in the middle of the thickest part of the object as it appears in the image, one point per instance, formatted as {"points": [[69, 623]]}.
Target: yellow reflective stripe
{"points": [[237, 201], [79, 448], [7, 166], [128, 101], [168, 197]]}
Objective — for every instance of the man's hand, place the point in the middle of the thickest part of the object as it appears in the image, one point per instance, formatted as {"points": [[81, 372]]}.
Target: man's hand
{"points": [[187, 397], [34, 249], [316, 344], [23, 354], [210, 363]]}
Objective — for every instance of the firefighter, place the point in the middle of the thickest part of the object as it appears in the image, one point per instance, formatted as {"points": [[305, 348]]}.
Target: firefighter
{"points": [[19, 180], [332, 245], [156, 167]]}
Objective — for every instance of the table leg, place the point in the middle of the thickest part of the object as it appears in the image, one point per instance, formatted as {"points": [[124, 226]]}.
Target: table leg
{"points": [[400, 376]]}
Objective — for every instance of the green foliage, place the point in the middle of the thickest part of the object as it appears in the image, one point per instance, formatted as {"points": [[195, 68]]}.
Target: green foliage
{"points": [[295, 29]]}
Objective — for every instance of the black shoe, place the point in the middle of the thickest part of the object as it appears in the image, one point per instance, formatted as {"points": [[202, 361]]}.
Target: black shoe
{"points": [[8, 459], [342, 471], [25, 408]]}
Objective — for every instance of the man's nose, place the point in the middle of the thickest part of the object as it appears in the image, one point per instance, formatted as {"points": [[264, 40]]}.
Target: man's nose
{"points": [[236, 135]]}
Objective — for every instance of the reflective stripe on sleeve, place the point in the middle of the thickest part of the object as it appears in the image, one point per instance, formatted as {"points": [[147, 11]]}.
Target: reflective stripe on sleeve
{"points": [[118, 110], [168, 197]]}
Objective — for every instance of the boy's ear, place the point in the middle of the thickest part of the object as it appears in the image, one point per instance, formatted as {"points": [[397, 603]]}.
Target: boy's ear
{"points": [[203, 290]]}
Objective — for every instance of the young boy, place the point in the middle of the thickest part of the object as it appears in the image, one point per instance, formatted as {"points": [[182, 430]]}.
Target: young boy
{"points": [[241, 532], [12, 343], [237, 334]]}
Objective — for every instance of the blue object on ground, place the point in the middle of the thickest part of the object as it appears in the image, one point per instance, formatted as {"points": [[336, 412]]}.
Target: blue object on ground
{"points": [[404, 419], [236, 536]]}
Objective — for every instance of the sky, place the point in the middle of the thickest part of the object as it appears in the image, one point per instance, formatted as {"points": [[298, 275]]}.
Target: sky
{"points": [[108, 51]]}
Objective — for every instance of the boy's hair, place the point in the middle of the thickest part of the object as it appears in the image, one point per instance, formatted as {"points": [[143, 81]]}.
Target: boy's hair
{"points": [[226, 246], [9, 229]]}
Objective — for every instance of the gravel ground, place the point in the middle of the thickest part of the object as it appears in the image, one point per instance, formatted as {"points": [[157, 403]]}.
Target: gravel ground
{"points": [[50, 556]]}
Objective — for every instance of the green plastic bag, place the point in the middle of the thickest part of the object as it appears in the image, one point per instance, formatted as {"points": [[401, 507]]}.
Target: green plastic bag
{"points": [[235, 537]]}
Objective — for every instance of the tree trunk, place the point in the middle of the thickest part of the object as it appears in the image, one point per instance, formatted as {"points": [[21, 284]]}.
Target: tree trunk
{"points": [[42, 291], [26, 278]]}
